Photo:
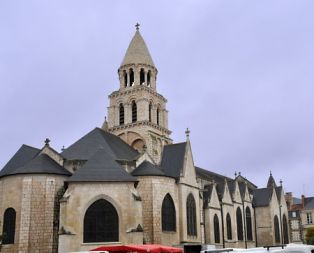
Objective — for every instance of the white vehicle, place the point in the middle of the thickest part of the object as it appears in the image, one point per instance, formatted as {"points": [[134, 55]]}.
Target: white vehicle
{"points": [[289, 248]]}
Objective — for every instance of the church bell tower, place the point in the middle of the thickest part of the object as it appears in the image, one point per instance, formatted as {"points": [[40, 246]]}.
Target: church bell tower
{"points": [[137, 113]]}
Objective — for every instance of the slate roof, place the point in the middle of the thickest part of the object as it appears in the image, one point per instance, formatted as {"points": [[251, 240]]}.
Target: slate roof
{"points": [[20, 158], [137, 52], [278, 192], [309, 203], [28, 160], [97, 139], [101, 167], [207, 194], [148, 169], [172, 159], [262, 197], [42, 164]]}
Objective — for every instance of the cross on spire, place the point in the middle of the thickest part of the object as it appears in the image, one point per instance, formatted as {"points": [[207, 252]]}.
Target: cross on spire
{"points": [[137, 26]]}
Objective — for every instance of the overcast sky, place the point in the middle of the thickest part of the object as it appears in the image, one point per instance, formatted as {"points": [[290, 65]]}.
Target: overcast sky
{"points": [[239, 74]]}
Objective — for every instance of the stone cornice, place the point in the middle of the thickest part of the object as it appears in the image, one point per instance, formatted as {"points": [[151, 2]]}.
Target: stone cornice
{"points": [[140, 123], [134, 90]]}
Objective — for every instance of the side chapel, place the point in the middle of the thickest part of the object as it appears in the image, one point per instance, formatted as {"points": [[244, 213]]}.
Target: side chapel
{"points": [[128, 183]]}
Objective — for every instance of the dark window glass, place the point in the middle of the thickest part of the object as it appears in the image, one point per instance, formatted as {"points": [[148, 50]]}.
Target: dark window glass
{"points": [[134, 112], [216, 229], [142, 76], [125, 76], [285, 230], [168, 214], [191, 215], [131, 77], [121, 114], [276, 227], [157, 115], [148, 78], [239, 224], [150, 112], [248, 217], [101, 223], [229, 227], [8, 232]]}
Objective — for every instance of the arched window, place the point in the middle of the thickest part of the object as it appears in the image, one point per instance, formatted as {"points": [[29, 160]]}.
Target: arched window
{"points": [[285, 230], [239, 224], [157, 116], [142, 76], [150, 112], [101, 223], [191, 215], [168, 214], [248, 217], [131, 77], [121, 114], [134, 112], [125, 78], [276, 227], [8, 231], [229, 227], [216, 229], [148, 78]]}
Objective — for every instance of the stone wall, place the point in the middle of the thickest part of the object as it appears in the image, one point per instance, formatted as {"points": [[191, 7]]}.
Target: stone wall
{"points": [[152, 191], [79, 196], [33, 199]]}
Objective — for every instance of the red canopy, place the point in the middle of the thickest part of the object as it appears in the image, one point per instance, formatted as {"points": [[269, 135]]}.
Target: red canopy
{"points": [[145, 248]]}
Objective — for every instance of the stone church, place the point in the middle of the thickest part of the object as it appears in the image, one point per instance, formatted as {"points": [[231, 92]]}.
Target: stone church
{"points": [[128, 183]]}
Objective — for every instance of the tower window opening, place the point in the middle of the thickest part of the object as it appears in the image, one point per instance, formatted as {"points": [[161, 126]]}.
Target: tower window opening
{"points": [[121, 114], [157, 116], [131, 77], [134, 112], [142, 77], [148, 78], [150, 112], [125, 77]]}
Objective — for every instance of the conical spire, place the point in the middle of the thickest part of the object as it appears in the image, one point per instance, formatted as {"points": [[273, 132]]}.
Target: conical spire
{"points": [[137, 51]]}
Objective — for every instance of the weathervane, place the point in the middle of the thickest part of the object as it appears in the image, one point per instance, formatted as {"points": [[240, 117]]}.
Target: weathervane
{"points": [[137, 26]]}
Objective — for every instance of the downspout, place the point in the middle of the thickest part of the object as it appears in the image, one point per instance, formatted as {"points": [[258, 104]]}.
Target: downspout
{"points": [[255, 229], [244, 215], [223, 226]]}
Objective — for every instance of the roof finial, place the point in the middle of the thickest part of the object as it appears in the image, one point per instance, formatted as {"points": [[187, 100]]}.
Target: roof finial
{"points": [[47, 142], [187, 133], [235, 174], [105, 125], [270, 174], [137, 26], [280, 182]]}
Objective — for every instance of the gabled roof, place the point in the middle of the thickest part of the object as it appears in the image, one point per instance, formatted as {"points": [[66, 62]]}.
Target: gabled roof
{"points": [[278, 192], [22, 156], [271, 182], [309, 203], [173, 158], [101, 167], [97, 139], [148, 169], [262, 197], [137, 52]]}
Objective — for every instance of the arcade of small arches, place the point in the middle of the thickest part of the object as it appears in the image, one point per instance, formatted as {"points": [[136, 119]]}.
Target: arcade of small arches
{"points": [[128, 77], [134, 113]]}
